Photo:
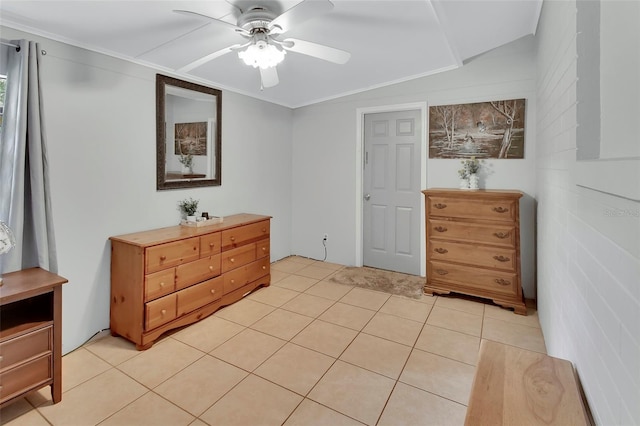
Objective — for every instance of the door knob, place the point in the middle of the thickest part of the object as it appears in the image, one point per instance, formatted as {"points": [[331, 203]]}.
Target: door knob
{"points": [[367, 197]]}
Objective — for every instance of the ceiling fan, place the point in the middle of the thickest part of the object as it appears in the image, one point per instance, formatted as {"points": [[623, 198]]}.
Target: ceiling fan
{"points": [[264, 48]]}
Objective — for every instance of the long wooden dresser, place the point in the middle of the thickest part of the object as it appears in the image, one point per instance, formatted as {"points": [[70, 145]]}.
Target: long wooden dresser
{"points": [[473, 244], [170, 277]]}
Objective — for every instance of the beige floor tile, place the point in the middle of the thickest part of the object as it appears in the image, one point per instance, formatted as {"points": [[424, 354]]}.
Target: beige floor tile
{"points": [[287, 265], [161, 361], [150, 410], [296, 368], [450, 344], [500, 313], [254, 401], [244, 312], [113, 349], [30, 418], [94, 400], [15, 410], [301, 259], [428, 299], [277, 276], [394, 328], [198, 422], [406, 308], [410, 406], [79, 366], [347, 316], [306, 304], [518, 335], [312, 413], [328, 265], [438, 375], [329, 290], [353, 391], [459, 304], [282, 324], [367, 299], [248, 349], [201, 384], [297, 283], [316, 272], [209, 333], [273, 295], [378, 355], [330, 339], [452, 319]]}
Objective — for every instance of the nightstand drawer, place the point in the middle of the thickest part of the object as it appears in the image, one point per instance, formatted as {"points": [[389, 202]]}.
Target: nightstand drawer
{"points": [[26, 346], [25, 377], [160, 311], [472, 232], [245, 234], [478, 278], [171, 254], [501, 210], [197, 271], [472, 254], [199, 295], [159, 284]]}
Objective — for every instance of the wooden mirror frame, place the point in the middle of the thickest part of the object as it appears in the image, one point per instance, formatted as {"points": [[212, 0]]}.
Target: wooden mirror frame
{"points": [[162, 182]]}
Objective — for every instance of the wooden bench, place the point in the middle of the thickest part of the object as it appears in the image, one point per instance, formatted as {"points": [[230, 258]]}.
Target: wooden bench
{"points": [[514, 386]]}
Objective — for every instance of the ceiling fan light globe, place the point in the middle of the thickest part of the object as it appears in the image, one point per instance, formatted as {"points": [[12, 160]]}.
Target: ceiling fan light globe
{"points": [[262, 55]]}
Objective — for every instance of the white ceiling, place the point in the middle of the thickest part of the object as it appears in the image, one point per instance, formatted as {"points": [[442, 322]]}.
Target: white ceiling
{"points": [[389, 40]]}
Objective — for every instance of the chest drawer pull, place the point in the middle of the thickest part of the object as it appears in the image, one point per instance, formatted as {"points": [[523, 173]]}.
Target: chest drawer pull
{"points": [[211, 245], [441, 272], [232, 238], [440, 229], [501, 258], [232, 260], [502, 235], [213, 291], [264, 230], [500, 209], [502, 281], [211, 268], [441, 250], [163, 258], [440, 206], [163, 312]]}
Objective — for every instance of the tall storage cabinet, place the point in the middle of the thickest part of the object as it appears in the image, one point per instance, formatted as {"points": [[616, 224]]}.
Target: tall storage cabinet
{"points": [[170, 277], [473, 244]]}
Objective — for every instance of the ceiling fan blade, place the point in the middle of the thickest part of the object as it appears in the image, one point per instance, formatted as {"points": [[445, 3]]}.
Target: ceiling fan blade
{"points": [[319, 51], [200, 15], [269, 77], [299, 13], [209, 57]]}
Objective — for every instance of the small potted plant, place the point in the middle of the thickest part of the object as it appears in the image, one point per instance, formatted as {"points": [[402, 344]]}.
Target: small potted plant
{"points": [[189, 207], [469, 173], [187, 163]]}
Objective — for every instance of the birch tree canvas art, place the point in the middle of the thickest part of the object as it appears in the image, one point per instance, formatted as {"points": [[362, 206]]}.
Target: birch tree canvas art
{"points": [[191, 138], [492, 129]]}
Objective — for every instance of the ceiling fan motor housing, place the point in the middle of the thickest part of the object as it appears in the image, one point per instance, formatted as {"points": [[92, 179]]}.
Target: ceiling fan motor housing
{"points": [[256, 18]]}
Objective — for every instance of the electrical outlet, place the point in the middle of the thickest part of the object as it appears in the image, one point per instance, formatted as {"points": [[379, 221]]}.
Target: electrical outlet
{"points": [[326, 237]]}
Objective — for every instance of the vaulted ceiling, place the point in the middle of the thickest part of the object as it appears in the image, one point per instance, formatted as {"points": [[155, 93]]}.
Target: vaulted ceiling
{"points": [[389, 40]]}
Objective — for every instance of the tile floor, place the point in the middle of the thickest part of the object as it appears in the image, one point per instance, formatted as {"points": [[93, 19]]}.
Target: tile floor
{"points": [[304, 351]]}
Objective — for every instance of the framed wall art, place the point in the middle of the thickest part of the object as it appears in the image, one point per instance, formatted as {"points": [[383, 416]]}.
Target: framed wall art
{"points": [[492, 129]]}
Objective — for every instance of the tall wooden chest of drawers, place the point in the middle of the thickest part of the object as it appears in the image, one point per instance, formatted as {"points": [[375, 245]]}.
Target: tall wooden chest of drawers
{"points": [[170, 277], [473, 244]]}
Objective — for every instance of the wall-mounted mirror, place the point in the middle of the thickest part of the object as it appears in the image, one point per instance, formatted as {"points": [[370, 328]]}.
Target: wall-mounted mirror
{"points": [[188, 129]]}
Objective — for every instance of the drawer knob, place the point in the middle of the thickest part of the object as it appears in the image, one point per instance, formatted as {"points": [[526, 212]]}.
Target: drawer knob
{"points": [[440, 229], [502, 235], [500, 209], [441, 250], [164, 311], [264, 249], [502, 281], [211, 268], [232, 260], [162, 284], [440, 206], [213, 291], [264, 267], [501, 258], [264, 229], [233, 281], [233, 238], [441, 272], [211, 245], [163, 258]]}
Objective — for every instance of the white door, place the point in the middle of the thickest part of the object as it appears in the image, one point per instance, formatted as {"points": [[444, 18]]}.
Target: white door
{"points": [[391, 188]]}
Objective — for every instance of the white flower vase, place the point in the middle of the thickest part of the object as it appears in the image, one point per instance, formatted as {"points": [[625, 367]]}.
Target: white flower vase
{"points": [[464, 183], [186, 170], [191, 218], [474, 181]]}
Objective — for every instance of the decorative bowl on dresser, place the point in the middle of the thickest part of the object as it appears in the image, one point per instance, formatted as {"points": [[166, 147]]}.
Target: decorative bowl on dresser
{"points": [[473, 244], [170, 277]]}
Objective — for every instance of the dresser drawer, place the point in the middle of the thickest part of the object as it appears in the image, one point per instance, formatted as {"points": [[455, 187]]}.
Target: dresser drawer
{"points": [[28, 376], [160, 311], [238, 257], [244, 234], [502, 235], [263, 248], [199, 295], [159, 284], [491, 257], [502, 210], [196, 271], [29, 345], [246, 274], [210, 244], [171, 254], [477, 278]]}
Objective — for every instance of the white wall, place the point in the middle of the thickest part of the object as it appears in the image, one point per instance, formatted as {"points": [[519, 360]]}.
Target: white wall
{"points": [[100, 122], [325, 164], [588, 241]]}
